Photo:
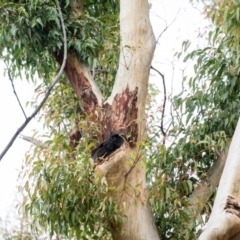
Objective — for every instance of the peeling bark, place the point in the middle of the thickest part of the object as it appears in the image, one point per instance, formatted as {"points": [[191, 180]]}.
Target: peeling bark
{"points": [[121, 116], [83, 84]]}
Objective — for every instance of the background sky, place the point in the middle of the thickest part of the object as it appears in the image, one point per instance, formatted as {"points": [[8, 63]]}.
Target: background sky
{"points": [[187, 25]]}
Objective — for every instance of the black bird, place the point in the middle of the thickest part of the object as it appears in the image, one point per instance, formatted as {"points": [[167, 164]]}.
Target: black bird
{"points": [[106, 148]]}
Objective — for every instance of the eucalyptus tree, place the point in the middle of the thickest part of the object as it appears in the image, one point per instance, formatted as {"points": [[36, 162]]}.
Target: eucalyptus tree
{"points": [[101, 168], [32, 40]]}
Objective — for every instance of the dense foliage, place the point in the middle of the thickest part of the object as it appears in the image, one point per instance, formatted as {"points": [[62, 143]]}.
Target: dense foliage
{"points": [[205, 120], [31, 36]]}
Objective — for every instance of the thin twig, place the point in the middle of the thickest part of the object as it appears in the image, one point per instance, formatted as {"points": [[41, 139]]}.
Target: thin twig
{"points": [[14, 90], [171, 94], [133, 165], [55, 80], [167, 26], [178, 95], [164, 102]]}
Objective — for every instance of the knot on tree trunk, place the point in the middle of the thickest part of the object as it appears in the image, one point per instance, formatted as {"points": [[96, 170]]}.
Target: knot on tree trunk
{"points": [[232, 206]]}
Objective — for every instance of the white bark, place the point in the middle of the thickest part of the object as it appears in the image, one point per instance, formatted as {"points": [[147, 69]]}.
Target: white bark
{"points": [[224, 223], [137, 48], [131, 195], [124, 170]]}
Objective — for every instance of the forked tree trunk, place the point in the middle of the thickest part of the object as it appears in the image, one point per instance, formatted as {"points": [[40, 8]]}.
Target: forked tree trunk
{"points": [[121, 118], [224, 222], [121, 122]]}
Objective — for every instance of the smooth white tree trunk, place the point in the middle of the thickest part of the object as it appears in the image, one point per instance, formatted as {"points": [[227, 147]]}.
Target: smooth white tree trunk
{"points": [[224, 222], [125, 169]]}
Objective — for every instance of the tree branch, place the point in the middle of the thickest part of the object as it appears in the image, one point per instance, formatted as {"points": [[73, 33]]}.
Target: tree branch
{"points": [[167, 26], [14, 91], [55, 80], [164, 102], [205, 188]]}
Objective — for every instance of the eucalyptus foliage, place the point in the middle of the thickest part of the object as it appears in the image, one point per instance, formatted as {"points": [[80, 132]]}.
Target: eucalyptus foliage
{"points": [[31, 35], [64, 197], [205, 120]]}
